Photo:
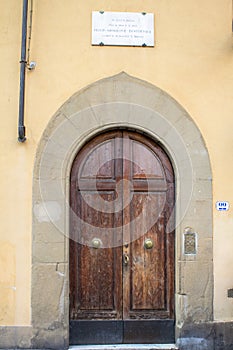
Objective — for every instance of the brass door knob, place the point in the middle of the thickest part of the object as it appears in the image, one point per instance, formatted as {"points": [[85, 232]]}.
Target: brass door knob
{"points": [[96, 243], [148, 244]]}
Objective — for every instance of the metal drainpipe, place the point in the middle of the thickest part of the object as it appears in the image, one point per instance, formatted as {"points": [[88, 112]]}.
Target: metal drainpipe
{"points": [[23, 62]]}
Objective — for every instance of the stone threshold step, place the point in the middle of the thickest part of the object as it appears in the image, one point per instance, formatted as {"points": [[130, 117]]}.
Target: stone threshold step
{"points": [[125, 347]]}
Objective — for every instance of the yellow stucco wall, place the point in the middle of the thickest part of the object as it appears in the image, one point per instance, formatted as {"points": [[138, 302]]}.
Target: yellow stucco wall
{"points": [[192, 61]]}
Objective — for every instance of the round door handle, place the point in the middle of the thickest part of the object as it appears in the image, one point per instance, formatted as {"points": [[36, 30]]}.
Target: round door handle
{"points": [[148, 244], [96, 243]]}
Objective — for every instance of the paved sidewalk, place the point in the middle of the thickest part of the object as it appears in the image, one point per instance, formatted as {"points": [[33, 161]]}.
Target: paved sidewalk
{"points": [[125, 347], [116, 347]]}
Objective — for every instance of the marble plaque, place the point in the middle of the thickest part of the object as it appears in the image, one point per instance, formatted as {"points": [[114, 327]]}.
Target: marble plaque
{"points": [[122, 28]]}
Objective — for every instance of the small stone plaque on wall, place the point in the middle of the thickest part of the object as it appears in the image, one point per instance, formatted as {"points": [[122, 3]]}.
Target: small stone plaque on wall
{"points": [[122, 28], [190, 246]]}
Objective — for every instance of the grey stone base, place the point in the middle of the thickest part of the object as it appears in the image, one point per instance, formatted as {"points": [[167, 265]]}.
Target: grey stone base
{"points": [[223, 336], [15, 337], [29, 338], [205, 336]]}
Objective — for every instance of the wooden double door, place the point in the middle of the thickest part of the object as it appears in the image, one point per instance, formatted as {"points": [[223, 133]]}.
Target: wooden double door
{"points": [[121, 242]]}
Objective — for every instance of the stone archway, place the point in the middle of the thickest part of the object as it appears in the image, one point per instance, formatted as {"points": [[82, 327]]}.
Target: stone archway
{"points": [[120, 101]]}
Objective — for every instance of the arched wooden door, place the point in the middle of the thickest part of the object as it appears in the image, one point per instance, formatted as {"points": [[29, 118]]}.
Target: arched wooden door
{"points": [[121, 242]]}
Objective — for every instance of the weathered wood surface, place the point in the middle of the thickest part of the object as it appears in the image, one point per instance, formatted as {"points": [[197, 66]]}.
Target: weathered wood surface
{"points": [[102, 286]]}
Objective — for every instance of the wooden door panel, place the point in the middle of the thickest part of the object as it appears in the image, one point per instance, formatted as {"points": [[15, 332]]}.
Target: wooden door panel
{"points": [[98, 162], [145, 163], [148, 266], [95, 266], [96, 209], [95, 273], [96, 278], [147, 276], [121, 282]]}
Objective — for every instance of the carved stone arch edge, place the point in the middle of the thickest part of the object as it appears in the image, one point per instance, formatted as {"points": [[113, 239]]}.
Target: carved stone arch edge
{"points": [[127, 102]]}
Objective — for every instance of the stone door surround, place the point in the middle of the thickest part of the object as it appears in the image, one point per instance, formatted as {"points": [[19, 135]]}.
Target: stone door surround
{"points": [[126, 102]]}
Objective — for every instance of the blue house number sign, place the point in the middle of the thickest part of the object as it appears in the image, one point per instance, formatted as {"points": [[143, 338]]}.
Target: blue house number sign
{"points": [[222, 206]]}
